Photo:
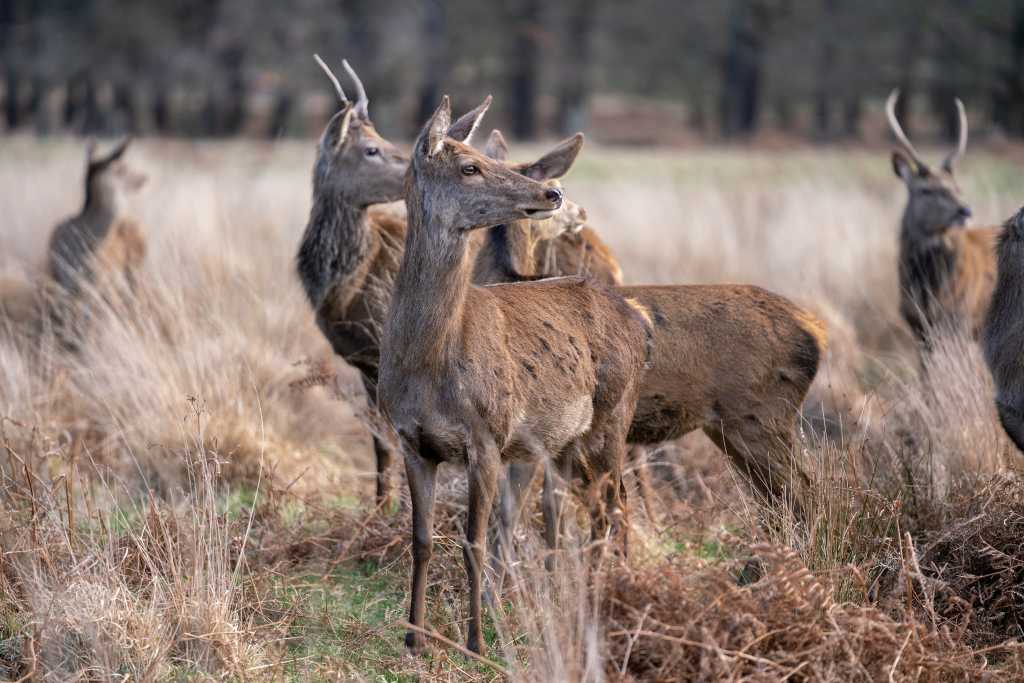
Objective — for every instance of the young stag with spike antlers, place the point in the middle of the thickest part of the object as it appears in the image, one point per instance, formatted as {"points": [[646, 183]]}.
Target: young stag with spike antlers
{"points": [[481, 375], [1004, 330], [946, 273], [349, 256]]}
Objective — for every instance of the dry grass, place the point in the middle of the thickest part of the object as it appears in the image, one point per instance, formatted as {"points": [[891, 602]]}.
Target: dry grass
{"points": [[186, 495]]}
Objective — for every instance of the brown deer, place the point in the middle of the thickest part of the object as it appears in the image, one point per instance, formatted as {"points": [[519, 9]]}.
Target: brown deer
{"points": [[733, 360], [101, 241], [351, 250], [349, 256], [1004, 330], [946, 273], [479, 376]]}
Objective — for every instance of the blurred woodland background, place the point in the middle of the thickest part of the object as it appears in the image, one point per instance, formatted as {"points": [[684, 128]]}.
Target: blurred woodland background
{"points": [[646, 71]]}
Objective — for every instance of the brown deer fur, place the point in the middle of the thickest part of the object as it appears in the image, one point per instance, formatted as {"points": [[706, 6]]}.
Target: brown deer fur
{"points": [[481, 375], [946, 273], [1004, 330], [733, 360], [101, 243]]}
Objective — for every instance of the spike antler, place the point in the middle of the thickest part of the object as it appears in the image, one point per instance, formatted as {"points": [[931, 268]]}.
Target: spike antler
{"points": [[897, 130], [362, 101], [961, 147], [334, 79]]}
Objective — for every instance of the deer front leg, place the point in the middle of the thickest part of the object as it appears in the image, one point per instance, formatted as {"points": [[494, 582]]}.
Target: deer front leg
{"points": [[422, 476], [483, 485]]}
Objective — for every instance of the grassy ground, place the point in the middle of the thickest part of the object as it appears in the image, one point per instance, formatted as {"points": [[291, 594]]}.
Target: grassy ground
{"points": [[187, 496]]}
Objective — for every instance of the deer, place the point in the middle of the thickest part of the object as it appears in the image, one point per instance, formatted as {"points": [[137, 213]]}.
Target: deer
{"points": [[101, 245], [348, 255], [946, 272], [480, 376], [351, 248], [735, 361], [1004, 330]]}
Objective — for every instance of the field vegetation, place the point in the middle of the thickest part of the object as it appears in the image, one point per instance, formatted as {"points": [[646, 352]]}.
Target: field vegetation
{"points": [[189, 493]]}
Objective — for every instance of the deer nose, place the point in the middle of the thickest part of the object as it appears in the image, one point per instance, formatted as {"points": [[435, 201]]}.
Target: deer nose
{"points": [[554, 195], [964, 212]]}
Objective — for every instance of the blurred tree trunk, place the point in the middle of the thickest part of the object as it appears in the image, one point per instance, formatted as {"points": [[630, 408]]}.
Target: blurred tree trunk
{"points": [[284, 104], [852, 113], [1008, 92], [124, 107], [742, 71], [524, 66], [434, 47], [824, 92], [576, 66]]}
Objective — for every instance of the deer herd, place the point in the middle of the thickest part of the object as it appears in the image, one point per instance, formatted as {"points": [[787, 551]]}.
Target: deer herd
{"points": [[491, 328]]}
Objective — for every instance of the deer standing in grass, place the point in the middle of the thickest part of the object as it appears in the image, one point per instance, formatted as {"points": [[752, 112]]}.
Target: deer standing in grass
{"points": [[733, 360], [1004, 330], [349, 256], [350, 252], [102, 243], [946, 273], [478, 376]]}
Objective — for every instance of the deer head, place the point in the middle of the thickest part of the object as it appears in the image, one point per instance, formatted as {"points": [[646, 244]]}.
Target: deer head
{"points": [[463, 187], [571, 217], [108, 178], [353, 161], [934, 204]]}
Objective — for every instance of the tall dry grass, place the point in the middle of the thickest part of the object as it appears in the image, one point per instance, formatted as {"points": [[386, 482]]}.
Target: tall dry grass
{"points": [[123, 555]]}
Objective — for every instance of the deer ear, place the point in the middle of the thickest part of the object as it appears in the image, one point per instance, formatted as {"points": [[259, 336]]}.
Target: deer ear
{"points": [[336, 132], [462, 130], [557, 162], [436, 129], [496, 147], [119, 149], [902, 166]]}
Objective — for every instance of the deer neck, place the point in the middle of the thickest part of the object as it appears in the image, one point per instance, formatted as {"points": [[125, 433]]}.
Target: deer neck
{"points": [[102, 206], [428, 305], [506, 254], [926, 265], [336, 242]]}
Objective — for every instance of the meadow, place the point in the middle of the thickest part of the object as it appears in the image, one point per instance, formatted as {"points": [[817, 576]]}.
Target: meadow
{"points": [[189, 494]]}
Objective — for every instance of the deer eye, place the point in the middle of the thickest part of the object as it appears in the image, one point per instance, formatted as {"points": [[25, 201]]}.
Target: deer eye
{"points": [[372, 151], [470, 169]]}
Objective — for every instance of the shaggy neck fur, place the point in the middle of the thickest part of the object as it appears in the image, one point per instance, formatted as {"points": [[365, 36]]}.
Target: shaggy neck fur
{"points": [[336, 242], [925, 265], [1008, 297]]}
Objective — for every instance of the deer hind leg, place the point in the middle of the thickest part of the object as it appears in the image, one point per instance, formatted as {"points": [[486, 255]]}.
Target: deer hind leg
{"points": [[513, 496], [422, 476], [639, 457], [483, 485], [605, 453], [551, 506]]}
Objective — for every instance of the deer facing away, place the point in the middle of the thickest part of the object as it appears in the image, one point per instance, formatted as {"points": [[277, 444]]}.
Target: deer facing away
{"points": [[480, 375], [101, 240], [1003, 340], [946, 272]]}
